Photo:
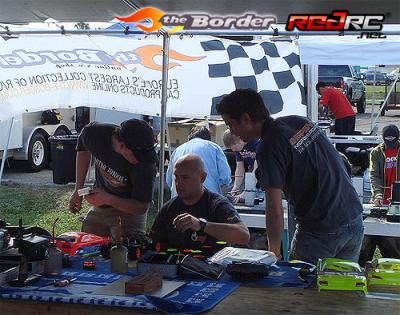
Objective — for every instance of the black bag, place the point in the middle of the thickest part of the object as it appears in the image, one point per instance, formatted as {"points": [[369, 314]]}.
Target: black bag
{"points": [[201, 268], [51, 117]]}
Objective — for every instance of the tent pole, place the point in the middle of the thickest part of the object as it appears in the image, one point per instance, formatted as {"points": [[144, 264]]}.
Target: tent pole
{"points": [[385, 101], [373, 101], [166, 39], [312, 97], [3, 160]]}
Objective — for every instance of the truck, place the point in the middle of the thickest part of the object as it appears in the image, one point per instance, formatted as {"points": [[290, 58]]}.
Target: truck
{"points": [[343, 76], [29, 138]]}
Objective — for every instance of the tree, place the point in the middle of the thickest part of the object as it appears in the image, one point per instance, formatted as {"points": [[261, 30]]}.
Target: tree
{"points": [[82, 26]]}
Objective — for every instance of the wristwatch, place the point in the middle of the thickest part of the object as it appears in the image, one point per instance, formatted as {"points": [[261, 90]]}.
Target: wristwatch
{"points": [[203, 224]]}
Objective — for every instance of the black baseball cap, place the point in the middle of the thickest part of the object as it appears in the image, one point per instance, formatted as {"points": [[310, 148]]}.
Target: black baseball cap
{"points": [[390, 135], [138, 136]]}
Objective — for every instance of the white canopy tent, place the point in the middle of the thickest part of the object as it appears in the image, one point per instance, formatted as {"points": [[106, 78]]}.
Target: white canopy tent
{"points": [[23, 11], [112, 73], [349, 50], [20, 12]]}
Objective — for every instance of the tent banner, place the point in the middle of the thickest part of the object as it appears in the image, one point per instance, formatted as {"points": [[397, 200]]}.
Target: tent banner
{"points": [[124, 74]]}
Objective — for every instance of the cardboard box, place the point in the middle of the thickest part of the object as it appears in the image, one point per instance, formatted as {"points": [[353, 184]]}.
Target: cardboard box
{"points": [[179, 130], [143, 283]]}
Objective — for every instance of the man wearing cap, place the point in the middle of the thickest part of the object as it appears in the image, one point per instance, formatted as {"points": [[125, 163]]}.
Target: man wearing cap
{"points": [[124, 158], [384, 170]]}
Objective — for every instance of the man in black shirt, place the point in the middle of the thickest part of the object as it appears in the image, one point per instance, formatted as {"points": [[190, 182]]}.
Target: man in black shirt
{"points": [[196, 216], [296, 158], [124, 158]]}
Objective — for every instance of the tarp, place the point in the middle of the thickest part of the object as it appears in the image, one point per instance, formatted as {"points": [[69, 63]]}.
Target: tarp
{"points": [[349, 50], [23, 11], [39, 73]]}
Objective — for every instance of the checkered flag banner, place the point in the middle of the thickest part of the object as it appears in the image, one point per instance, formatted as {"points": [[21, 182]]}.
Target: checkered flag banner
{"points": [[271, 68]]}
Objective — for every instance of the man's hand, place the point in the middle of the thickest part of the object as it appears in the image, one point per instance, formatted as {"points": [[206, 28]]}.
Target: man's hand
{"points": [[75, 202], [378, 202], [185, 222], [98, 197], [277, 252]]}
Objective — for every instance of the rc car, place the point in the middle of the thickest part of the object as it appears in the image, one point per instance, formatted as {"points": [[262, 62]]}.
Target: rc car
{"points": [[338, 274], [383, 275], [81, 243]]}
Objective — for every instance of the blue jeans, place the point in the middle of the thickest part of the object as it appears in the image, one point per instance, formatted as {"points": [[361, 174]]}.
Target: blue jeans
{"points": [[344, 243]]}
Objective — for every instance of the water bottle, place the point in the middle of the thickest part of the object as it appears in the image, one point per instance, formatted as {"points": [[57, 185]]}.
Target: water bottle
{"points": [[367, 185], [249, 188], [119, 258]]}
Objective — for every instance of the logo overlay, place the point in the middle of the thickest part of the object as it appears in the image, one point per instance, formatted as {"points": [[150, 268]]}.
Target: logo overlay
{"points": [[174, 22], [370, 25], [144, 55]]}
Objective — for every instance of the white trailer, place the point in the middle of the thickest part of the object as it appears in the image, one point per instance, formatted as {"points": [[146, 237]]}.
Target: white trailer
{"points": [[29, 138]]}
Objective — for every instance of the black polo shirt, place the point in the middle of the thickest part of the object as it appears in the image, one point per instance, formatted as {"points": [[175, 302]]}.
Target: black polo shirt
{"points": [[297, 157]]}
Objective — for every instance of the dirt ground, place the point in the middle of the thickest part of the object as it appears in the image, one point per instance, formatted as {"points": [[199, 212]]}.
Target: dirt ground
{"points": [[45, 177]]}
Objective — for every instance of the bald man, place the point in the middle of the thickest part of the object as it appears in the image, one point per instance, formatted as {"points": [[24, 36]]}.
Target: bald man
{"points": [[196, 216]]}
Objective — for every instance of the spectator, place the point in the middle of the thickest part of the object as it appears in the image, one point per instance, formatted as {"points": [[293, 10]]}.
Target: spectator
{"points": [[216, 165], [339, 105], [384, 170], [245, 154]]}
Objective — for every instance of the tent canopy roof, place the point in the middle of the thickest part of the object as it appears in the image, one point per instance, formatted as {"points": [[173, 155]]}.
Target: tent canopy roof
{"points": [[23, 12]]}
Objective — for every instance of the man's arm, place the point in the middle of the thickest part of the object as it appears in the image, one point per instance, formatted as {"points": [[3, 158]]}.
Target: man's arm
{"points": [[224, 170], [239, 177], [274, 219], [82, 166], [377, 182], [170, 170], [99, 197], [235, 233]]}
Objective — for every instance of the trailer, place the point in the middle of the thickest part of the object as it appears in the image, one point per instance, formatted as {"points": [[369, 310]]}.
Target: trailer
{"points": [[29, 138]]}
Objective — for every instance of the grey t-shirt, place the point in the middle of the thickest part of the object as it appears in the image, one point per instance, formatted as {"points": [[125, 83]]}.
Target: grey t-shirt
{"points": [[297, 157], [114, 174]]}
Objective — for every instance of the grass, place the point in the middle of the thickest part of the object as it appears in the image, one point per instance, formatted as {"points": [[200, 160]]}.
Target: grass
{"points": [[379, 91], [41, 206]]}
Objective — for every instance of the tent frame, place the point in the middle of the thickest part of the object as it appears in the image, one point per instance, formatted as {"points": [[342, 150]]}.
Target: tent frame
{"points": [[166, 40]]}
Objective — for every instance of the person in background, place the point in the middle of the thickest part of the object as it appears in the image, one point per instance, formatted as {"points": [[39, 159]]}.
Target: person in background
{"points": [[339, 105], [245, 154], [296, 158], [124, 159], [384, 170], [215, 163], [196, 216]]}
